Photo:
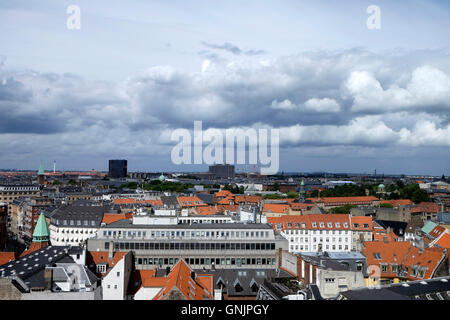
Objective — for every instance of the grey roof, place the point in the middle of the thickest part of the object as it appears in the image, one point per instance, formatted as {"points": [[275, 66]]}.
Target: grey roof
{"points": [[30, 268], [443, 217], [339, 261], [404, 291], [72, 212], [396, 226], [373, 294], [245, 277], [206, 198], [127, 223], [170, 201]]}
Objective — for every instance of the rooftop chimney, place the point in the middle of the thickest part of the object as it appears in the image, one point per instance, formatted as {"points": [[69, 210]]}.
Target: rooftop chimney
{"points": [[48, 274]]}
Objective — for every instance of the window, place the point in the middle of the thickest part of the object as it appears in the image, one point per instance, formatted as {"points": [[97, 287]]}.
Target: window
{"points": [[384, 268], [394, 267], [101, 268], [329, 280]]}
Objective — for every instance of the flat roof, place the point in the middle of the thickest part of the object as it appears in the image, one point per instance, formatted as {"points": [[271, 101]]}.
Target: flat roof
{"points": [[128, 224]]}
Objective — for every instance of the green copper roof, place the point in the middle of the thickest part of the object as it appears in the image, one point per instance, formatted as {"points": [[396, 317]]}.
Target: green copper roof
{"points": [[161, 177], [428, 227], [41, 170], [41, 232]]}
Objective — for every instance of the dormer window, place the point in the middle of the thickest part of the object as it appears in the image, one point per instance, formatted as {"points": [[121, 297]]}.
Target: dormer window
{"points": [[338, 225], [345, 225], [101, 268], [314, 225], [322, 224], [330, 225]]}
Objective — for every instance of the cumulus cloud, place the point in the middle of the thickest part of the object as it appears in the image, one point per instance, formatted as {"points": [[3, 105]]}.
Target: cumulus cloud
{"points": [[312, 105], [349, 98], [428, 90]]}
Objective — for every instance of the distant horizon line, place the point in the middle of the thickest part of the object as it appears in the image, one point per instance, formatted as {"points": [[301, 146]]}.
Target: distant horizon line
{"points": [[279, 173]]}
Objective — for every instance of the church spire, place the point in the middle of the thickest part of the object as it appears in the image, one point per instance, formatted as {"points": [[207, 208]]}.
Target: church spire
{"points": [[41, 232], [41, 171]]}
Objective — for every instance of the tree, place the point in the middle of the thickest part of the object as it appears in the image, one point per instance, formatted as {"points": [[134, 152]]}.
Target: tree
{"points": [[56, 182], [275, 187], [345, 209], [386, 205], [419, 196], [292, 194]]}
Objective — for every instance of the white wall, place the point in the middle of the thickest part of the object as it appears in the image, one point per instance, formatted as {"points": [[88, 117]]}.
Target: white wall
{"points": [[302, 240], [115, 282], [146, 293], [63, 236]]}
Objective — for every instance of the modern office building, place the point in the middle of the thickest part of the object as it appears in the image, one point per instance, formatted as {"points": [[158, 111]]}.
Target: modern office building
{"points": [[225, 171], [206, 245], [118, 168]]}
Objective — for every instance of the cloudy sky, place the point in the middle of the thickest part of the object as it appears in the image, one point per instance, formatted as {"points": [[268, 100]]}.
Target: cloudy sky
{"points": [[345, 98]]}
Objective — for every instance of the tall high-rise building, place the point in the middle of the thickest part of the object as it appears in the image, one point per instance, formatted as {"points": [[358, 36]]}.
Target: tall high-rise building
{"points": [[118, 168], [222, 170]]}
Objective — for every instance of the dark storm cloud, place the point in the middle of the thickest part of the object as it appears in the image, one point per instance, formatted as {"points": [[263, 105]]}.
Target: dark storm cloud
{"points": [[317, 99]]}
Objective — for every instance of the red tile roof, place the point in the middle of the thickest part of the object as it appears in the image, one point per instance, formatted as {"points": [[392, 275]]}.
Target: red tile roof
{"points": [[437, 231], [206, 211], [134, 201], [113, 217], [396, 203], [359, 222], [247, 199], [297, 206], [6, 257], [187, 202], [96, 257], [403, 254], [429, 207], [227, 207], [444, 241], [345, 200], [276, 208], [180, 278], [222, 193]]}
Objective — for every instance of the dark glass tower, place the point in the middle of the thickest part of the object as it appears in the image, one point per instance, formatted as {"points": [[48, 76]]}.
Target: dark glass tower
{"points": [[117, 168]]}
